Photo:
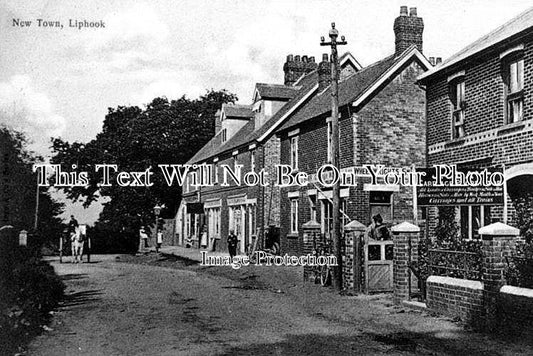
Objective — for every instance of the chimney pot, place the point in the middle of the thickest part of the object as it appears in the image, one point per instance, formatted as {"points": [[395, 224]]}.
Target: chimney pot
{"points": [[439, 60], [297, 58], [408, 30], [432, 60], [290, 58], [325, 57], [304, 59], [312, 59]]}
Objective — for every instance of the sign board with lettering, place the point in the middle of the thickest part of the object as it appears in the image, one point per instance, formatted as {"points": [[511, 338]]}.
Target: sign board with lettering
{"points": [[460, 187]]}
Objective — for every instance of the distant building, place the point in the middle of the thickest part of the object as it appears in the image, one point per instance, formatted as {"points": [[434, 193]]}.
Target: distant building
{"points": [[480, 114]]}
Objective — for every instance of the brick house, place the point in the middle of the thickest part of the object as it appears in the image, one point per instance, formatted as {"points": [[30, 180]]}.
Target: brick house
{"points": [[245, 136], [382, 121], [480, 114]]}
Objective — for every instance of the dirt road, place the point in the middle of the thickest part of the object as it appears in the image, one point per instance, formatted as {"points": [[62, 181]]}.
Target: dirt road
{"points": [[158, 306]]}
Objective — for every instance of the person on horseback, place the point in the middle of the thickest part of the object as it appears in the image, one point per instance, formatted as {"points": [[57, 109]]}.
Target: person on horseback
{"points": [[72, 225]]}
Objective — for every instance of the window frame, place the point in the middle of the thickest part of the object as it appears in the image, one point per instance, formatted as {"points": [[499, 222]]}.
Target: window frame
{"points": [[457, 94], [294, 152], [515, 96], [294, 205]]}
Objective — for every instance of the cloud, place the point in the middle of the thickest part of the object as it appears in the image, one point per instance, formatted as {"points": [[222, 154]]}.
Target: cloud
{"points": [[133, 38], [24, 108]]}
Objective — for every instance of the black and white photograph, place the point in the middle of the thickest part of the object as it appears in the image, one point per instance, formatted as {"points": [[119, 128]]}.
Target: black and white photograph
{"points": [[238, 177]]}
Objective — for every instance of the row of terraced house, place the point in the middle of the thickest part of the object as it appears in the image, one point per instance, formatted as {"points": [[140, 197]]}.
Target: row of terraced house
{"points": [[474, 110]]}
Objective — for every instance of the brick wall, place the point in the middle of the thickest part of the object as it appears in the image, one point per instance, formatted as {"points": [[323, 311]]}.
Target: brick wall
{"points": [[487, 137], [456, 298], [389, 129], [484, 96], [516, 311]]}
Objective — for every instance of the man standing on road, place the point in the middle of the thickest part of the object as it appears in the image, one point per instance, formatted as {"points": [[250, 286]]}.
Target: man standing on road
{"points": [[232, 244]]}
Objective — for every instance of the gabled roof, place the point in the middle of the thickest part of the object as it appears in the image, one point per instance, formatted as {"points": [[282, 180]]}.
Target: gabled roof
{"points": [[274, 91], [346, 58], [518, 24], [357, 87], [237, 111], [247, 134]]}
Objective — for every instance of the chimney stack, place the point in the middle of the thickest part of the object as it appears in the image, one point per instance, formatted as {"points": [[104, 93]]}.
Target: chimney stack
{"points": [[408, 30], [324, 73], [297, 66]]}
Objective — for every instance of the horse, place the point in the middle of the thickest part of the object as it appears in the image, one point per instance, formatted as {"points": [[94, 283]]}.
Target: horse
{"points": [[76, 239]]}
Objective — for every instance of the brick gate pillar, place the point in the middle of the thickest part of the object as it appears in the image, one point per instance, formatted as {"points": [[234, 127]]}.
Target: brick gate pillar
{"points": [[352, 258], [498, 242], [405, 237], [311, 241]]}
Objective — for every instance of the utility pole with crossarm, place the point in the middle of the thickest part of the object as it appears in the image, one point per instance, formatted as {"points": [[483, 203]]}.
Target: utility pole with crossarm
{"points": [[336, 235]]}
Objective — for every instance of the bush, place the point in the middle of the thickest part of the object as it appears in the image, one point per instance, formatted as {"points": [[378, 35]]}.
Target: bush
{"points": [[30, 290]]}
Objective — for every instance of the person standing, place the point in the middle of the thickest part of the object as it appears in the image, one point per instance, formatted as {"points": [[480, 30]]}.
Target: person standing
{"points": [[377, 230], [232, 244], [143, 239]]}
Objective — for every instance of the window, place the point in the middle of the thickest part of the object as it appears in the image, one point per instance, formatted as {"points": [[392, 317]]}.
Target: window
{"points": [[514, 79], [252, 161], [312, 207], [327, 216], [472, 218], [251, 221], [458, 108], [224, 134], [381, 203], [294, 216], [294, 152], [330, 136]]}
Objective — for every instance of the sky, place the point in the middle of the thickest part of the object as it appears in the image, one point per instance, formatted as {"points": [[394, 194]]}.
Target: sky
{"points": [[60, 82]]}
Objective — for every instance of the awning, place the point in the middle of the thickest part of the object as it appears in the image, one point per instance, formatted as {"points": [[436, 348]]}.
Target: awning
{"points": [[195, 208]]}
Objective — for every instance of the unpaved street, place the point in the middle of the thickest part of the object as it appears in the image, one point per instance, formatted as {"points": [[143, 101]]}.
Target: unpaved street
{"points": [[159, 306]]}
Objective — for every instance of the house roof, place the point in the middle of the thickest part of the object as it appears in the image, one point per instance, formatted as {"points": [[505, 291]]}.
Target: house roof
{"points": [[275, 91], [518, 24], [239, 111], [247, 134], [355, 88]]}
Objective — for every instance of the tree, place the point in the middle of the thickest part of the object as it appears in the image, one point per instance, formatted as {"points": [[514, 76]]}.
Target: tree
{"points": [[135, 139], [19, 189]]}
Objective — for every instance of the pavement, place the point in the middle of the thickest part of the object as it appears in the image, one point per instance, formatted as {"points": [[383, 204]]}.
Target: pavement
{"points": [[192, 254]]}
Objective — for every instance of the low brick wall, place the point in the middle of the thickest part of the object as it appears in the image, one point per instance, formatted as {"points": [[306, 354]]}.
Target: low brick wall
{"points": [[515, 311], [456, 298]]}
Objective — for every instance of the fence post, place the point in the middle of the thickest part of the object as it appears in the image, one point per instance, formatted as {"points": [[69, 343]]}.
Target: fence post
{"points": [[311, 231], [352, 264], [498, 242], [405, 237]]}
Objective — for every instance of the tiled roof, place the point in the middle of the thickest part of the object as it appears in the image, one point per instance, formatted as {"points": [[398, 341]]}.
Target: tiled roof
{"points": [[242, 111], [247, 134], [349, 90], [276, 91], [516, 25]]}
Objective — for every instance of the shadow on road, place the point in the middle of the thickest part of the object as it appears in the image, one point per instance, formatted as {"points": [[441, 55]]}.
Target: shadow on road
{"points": [[365, 343], [73, 276], [80, 298]]}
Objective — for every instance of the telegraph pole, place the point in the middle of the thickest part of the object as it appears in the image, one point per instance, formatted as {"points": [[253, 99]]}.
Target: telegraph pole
{"points": [[336, 236]]}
